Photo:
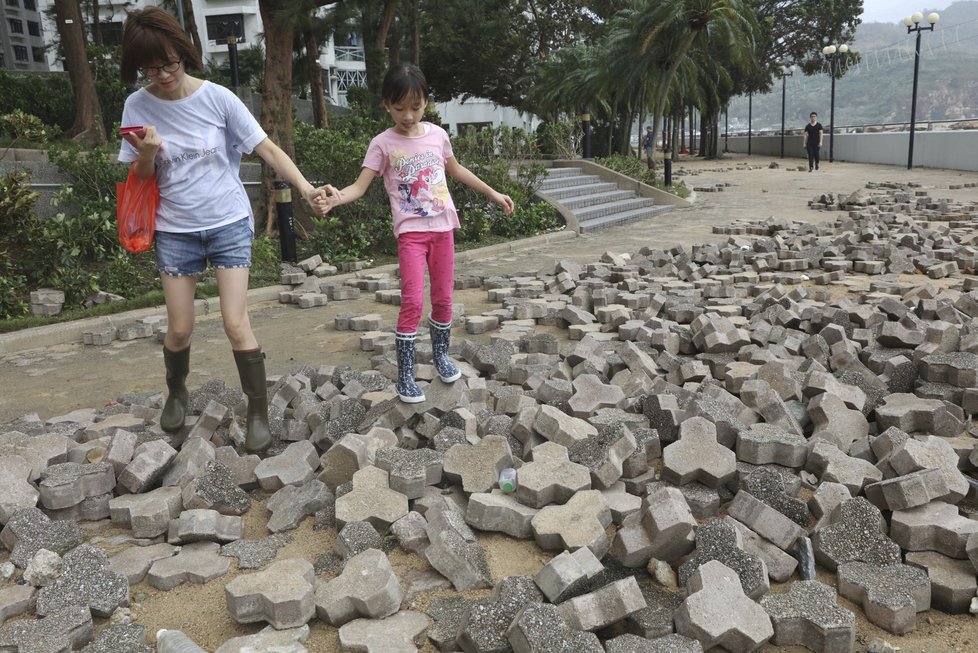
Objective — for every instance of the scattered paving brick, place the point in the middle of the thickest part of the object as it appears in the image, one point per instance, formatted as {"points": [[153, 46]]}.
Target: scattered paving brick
{"points": [[580, 522], [477, 466], [216, 489], [371, 500], [399, 633], [500, 512], [149, 514], [291, 504], [855, 534], [484, 624], [197, 562], [603, 607], [808, 615], [890, 595], [283, 595], [202, 525], [61, 632], [454, 550], [717, 540], [936, 526], [551, 477], [410, 471], [30, 530], [697, 456], [718, 613], [16, 491], [540, 628], [268, 639], [134, 562], [85, 580]]}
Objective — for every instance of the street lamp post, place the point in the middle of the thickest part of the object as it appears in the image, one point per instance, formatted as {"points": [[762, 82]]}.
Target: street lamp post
{"points": [[786, 72], [750, 107], [913, 25], [833, 54]]}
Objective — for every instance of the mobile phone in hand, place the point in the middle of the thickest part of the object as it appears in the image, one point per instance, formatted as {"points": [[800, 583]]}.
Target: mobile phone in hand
{"points": [[127, 132]]}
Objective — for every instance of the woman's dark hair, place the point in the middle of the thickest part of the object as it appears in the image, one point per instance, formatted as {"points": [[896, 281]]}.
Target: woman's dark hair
{"points": [[151, 36], [403, 80]]}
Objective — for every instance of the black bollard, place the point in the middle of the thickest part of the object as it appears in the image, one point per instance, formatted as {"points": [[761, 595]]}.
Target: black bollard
{"points": [[668, 170], [286, 229], [233, 61]]}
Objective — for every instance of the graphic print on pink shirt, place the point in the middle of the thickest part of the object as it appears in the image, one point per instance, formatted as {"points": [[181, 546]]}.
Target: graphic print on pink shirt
{"points": [[421, 183]]}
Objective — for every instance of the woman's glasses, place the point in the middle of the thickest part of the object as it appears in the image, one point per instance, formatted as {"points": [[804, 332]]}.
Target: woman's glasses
{"points": [[153, 71]]}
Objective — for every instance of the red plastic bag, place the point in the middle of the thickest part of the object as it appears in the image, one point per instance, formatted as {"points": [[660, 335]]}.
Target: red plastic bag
{"points": [[135, 211]]}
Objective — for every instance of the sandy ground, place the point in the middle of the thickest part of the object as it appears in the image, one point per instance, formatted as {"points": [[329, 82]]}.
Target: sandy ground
{"points": [[56, 380]]}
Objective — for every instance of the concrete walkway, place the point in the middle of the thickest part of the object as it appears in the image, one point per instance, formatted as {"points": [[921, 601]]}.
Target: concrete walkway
{"points": [[46, 371]]}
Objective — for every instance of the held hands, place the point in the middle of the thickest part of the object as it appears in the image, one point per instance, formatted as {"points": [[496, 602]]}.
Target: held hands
{"points": [[323, 199]]}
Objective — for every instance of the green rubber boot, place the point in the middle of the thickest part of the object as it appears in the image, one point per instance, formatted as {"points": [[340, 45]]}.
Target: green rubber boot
{"points": [[251, 371], [177, 365]]}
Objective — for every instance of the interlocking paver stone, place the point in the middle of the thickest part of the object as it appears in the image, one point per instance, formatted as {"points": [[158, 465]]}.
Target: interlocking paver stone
{"points": [[908, 491], [780, 564], [718, 613], [567, 573], [604, 454], [61, 632], [603, 607], [539, 628], [760, 396], [399, 633], [497, 511], [371, 500], [765, 520], [551, 477], [912, 414], [932, 453], [283, 595], [202, 525], [85, 580], [832, 464], [410, 470], [353, 452], [291, 504], [952, 582], [592, 394], [134, 562], [717, 540], [936, 526], [216, 489], [16, 491], [120, 638], [808, 615], [148, 465], [668, 644], [294, 466], [447, 613], [477, 466], [68, 484], [856, 533], [697, 456], [557, 426], [454, 550], [28, 530], [761, 444], [148, 515], [197, 562], [268, 639], [40, 451], [580, 522], [890, 595], [189, 463], [769, 486], [16, 600], [484, 624]]}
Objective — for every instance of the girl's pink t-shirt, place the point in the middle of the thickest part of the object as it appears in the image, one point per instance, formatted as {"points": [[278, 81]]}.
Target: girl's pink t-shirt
{"points": [[413, 168]]}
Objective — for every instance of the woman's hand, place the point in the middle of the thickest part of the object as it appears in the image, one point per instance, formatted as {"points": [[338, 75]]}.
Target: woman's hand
{"points": [[148, 145]]}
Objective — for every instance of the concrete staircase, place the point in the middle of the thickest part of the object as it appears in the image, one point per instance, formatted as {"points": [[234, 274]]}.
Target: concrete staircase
{"points": [[592, 203]]}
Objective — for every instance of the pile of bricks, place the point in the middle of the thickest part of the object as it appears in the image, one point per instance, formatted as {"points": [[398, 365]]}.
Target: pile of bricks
{"points": [[688, 427]]}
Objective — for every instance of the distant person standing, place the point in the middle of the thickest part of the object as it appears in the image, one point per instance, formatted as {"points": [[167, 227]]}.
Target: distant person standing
{"points": [[648, 144], [813, 140]]}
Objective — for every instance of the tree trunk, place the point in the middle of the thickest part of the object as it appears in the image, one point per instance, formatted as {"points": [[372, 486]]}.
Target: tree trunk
{"points": [[320, 117], [190, 21], [276, 108], [96, 24], [374, 41], [415, 33], [88, 125]]}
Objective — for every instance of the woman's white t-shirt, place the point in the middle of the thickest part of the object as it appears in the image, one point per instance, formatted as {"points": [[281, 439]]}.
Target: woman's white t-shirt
{"points": [[204, 136]]}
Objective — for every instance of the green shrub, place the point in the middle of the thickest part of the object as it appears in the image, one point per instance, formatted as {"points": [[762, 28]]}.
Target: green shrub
{"points": [[265, 256], [45, 95], [560, 140], [24, 128], [13, 289], [92, 176], [630, 166]]}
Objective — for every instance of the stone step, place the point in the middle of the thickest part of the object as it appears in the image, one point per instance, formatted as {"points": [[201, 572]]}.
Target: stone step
{"points": [[568, 181], [581, 201], [616, 219], [572, 192], [611, 208], [553, 173]]}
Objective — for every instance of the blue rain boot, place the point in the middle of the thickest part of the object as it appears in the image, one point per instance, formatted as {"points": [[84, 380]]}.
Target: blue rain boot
{"points": [[407, 389], [441, 338]]}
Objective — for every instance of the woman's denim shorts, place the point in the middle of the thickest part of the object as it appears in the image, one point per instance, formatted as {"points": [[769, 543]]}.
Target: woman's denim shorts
{"points": [[184, 254]]}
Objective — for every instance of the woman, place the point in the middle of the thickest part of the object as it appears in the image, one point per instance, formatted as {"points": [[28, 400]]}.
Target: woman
{"points": [[195, 135]]}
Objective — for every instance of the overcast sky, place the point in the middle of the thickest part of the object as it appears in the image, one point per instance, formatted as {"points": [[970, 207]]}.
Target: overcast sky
{"points": [[893, 11]]}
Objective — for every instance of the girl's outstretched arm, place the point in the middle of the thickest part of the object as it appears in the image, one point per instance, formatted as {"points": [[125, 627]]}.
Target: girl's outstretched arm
{"points": [[457, 171], [351, 193]]}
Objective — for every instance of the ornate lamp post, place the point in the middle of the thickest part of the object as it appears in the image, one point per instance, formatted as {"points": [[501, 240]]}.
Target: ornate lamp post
{"points": [[786, 72], [833, 54], [913, 25]]}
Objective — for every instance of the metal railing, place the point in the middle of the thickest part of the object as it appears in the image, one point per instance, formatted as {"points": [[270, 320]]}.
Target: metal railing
{"points": [[346, 53]]}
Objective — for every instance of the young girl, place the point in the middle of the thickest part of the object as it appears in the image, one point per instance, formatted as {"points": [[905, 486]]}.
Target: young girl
{"points": [[414, 157]]}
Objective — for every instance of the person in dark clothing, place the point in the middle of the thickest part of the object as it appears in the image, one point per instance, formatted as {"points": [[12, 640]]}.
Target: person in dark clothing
{"points": [[813, 140]]}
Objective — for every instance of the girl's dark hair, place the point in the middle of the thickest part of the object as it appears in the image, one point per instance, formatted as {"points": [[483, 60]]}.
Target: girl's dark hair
{"points": [[403, 80], [152, 36]]}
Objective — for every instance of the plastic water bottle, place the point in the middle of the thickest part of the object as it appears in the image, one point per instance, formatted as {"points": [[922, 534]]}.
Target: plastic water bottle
{"points": [[174, 641], [507, 480]]}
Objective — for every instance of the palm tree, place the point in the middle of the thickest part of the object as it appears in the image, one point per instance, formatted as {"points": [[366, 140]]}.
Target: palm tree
{"points": [[672, 28]]}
